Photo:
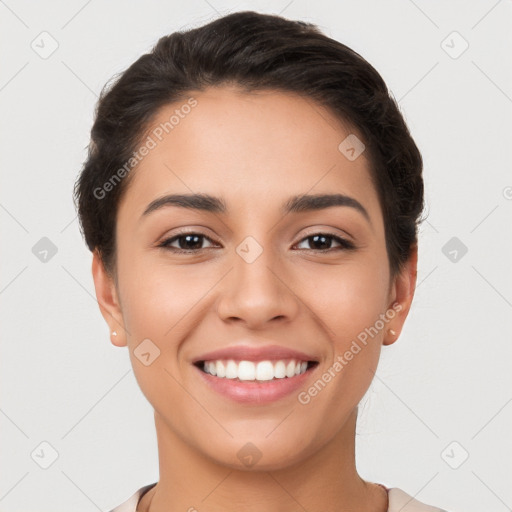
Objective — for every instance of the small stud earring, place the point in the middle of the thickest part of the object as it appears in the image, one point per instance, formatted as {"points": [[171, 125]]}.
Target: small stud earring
{"points": [[114, 333], [392, 332]]}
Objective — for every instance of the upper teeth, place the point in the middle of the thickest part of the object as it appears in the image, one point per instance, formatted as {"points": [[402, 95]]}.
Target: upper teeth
{"points": [[249, 370]]}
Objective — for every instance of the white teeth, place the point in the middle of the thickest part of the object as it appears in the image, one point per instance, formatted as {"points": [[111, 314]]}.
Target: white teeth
{"points": [[279, 370], [246, 370], [221, 369], [212, 368], [231, 370], [264, 370], [260, 371], [290, 369]]}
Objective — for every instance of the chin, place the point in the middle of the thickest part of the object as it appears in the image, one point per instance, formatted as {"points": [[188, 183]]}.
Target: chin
{"points": [[260, 454]]}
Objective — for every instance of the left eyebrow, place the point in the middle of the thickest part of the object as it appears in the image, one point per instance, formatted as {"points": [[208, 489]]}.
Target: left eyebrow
{"points": [[295, 204], [303, 203]]}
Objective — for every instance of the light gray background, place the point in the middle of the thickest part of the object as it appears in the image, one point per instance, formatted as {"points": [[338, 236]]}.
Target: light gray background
{"points": [[447, 379]]}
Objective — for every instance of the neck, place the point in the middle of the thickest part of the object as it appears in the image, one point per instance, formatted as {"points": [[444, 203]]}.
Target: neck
{"points": [[327, 480]]}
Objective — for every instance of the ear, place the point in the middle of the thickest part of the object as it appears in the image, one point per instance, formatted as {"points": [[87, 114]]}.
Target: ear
{"points": [[108, 301], [401, 295]]}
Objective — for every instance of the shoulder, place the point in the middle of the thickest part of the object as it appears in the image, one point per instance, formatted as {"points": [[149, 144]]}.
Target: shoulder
{"points": [[130, 505], [400, 501]]}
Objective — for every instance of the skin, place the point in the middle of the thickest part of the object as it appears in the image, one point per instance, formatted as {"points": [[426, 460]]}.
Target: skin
{"points": [[254, 151]]}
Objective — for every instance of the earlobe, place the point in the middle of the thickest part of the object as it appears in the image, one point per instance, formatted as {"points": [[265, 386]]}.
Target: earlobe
{"points": [[116, 340], [106, 295], [390, 337], [402, 294]]}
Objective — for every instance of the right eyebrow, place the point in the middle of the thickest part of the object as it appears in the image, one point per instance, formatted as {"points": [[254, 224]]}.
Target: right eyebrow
{"points": [[202, 202]]}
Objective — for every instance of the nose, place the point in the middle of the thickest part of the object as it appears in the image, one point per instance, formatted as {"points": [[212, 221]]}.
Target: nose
{"points": [[255, 293]]}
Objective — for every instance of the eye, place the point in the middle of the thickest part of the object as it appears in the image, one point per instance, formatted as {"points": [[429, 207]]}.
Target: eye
{"points": [[323, 242], [193, 242], [187, 243]]}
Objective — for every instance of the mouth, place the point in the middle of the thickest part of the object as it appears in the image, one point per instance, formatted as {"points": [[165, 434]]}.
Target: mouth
{"points": [[252, 383], [255, 371], [255, 375]]}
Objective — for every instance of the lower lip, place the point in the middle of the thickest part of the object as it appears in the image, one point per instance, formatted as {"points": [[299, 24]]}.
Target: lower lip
{"points": [[253, 392]]}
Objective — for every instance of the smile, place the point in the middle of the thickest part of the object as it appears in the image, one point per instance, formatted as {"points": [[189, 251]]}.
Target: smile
{"points": [[255, 371], [255, 382]]}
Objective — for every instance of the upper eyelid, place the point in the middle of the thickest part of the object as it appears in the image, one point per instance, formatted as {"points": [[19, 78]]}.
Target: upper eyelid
{"points": [[167, 240], [174, 237]]}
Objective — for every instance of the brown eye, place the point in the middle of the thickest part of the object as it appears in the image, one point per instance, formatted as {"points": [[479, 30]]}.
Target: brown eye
{"points": [[186, 242], [324, 242]]}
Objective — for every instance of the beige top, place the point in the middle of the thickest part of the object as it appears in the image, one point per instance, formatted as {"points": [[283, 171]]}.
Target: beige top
{"points": [[399, 501]]}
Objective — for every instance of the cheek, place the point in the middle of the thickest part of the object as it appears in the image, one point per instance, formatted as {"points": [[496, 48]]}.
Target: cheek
{"points": [[160, 304], [156, 297], [348, 298], [349, 301]]}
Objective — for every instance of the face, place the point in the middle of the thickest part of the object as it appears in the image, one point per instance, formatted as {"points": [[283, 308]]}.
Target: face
{"points": [[260, 272]]}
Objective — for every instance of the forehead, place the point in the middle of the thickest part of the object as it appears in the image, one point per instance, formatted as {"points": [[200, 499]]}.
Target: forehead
{"points": [[249, 148]]}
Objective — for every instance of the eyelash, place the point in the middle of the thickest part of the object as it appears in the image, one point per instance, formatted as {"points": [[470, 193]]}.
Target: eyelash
{"points": [[345, 245]]}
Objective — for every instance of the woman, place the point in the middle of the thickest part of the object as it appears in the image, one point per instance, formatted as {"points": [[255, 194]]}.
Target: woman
{"points": [[251, 198]]}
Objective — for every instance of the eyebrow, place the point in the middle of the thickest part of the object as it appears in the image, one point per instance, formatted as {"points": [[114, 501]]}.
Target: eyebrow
{"points": [[296, 204]]}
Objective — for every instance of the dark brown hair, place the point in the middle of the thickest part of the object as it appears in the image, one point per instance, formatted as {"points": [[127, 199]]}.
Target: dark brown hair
{"points": [[255, 52]]}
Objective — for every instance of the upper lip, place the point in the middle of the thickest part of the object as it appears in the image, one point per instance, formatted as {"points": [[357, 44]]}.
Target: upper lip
{"points": [[249, 353]]}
